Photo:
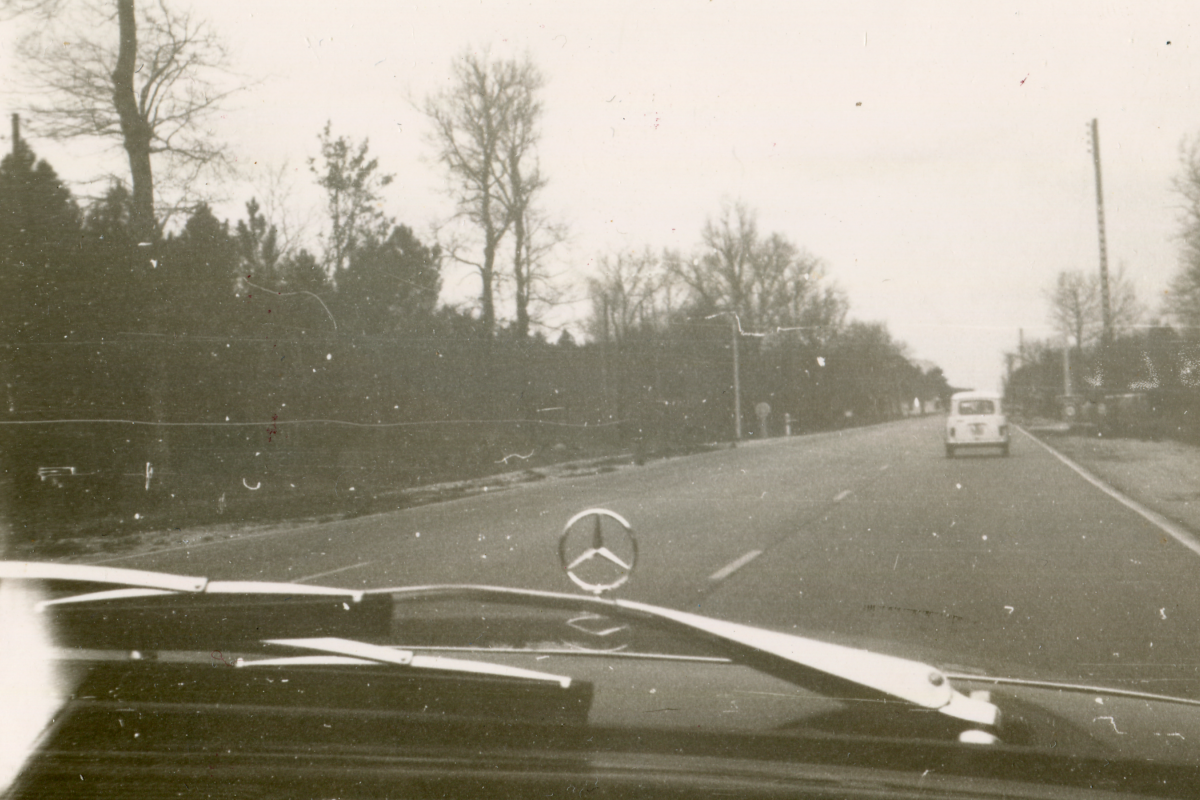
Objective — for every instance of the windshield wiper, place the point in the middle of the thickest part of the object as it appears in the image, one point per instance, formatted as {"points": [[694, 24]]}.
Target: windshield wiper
{"points": [[374, 653], [100, 607], [137, 584], [89, 573], [913, 681], [830, 669], [134, 581]]}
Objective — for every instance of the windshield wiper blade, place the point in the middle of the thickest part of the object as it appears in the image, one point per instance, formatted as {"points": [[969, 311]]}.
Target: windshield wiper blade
{"points": [[99, 607], [99, 597], [140, 583], [406, 658], [91, 573]]}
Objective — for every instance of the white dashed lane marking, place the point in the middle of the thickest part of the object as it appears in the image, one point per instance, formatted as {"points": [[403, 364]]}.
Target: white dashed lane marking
{"points": [[733, 566], [332, 571], [744, 559]]}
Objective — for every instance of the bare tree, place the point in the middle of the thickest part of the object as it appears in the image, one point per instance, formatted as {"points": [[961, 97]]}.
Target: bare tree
{"points": [[533, 282], [1075, 310], [484, 129], [1127, 310], [275, 189], [718, 278], [782, 282], [625, 294], [766, 281], [823, 315], [1074, 306], [535, 235], [153, 92], [1183, 297]]}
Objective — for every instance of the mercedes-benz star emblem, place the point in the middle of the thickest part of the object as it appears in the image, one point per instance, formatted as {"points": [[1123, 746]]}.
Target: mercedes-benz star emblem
{"points": [[601, 564]]}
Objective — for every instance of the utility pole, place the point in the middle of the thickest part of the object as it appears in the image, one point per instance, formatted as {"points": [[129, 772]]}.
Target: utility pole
{"points": [[604, 357], [1106, 308], [16, 129], [737, 381]]}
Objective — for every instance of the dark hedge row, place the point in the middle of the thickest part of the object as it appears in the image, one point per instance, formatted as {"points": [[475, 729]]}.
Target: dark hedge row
{"points": [[205, 375], [1146, 384]]}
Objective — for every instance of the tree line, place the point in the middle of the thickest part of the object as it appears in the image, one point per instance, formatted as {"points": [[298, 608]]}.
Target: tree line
{"points": [[178, 374], [1143, 377], [162, 362]]}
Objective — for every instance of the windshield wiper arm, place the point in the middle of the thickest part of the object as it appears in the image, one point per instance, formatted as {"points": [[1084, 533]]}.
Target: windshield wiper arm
{"points": [[406, 658], [912, 681], [851, 669], [919, 683]]}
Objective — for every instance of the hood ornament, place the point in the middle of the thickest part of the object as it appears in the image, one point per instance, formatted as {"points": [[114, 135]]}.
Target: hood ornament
{"points": [[598, 550]]}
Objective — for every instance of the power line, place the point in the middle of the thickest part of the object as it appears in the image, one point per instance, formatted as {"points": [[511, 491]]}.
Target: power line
{"points": [[316, 421]]}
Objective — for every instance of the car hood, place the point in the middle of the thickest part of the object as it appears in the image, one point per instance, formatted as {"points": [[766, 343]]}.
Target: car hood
{"points": [[288, 664]]}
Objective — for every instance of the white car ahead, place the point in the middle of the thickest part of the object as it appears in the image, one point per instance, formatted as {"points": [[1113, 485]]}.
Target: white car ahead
{"points": [[976, 420]]}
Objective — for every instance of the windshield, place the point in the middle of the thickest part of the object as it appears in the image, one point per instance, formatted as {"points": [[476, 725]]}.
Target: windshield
{"points": [[381, 297]]}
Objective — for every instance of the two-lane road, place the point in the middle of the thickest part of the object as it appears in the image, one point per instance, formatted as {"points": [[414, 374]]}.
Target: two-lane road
{"points": [[869, 536]]}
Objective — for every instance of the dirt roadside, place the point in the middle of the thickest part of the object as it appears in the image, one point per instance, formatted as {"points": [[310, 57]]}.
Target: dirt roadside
{"points": [[1164, 476], [98, 548], [110, 545]]}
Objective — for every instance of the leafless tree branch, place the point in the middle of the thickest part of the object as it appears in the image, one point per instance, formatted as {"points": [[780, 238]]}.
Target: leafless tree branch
{"points": [[76, 64]]}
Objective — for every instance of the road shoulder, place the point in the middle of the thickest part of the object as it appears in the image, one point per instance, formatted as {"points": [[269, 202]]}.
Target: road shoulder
{"points": [[1162, 476]]}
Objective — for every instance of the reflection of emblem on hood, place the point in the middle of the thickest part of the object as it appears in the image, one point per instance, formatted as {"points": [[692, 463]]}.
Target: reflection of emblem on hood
{"points": [[597, 550], [595, 625]]}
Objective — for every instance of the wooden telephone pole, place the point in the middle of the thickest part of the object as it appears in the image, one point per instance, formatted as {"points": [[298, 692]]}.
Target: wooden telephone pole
{"points": [[1105, 306]]}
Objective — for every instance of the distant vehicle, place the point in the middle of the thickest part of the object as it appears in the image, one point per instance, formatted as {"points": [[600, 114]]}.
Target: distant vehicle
{"points": [[976, 420]]}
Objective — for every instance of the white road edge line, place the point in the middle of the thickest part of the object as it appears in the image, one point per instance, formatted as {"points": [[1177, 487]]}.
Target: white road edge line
{"points": [[332, 571], [842, 495], [733, 566], [1176, 532]]}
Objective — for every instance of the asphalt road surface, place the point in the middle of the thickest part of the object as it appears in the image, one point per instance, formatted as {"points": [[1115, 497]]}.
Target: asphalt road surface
{"points": [[869, 537]]}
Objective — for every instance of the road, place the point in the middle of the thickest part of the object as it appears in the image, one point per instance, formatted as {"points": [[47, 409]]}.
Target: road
{"points": [[868, 537]]}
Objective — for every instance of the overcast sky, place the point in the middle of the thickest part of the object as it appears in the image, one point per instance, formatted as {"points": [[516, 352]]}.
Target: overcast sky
{"points": [[933, 154]]}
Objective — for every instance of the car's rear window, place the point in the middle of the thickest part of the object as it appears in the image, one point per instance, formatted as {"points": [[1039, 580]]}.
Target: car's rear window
{"points": [[976, 407]]}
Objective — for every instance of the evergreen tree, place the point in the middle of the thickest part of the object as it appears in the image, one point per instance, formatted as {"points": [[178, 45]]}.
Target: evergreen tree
{"points": [[119, 279], [258, 244], [198, 275], [390, 284], [353, 189], [39, 241]]}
